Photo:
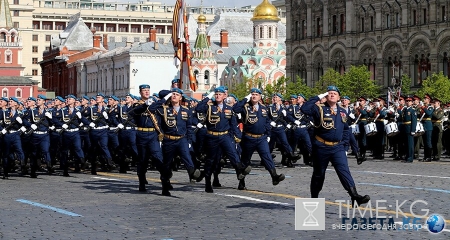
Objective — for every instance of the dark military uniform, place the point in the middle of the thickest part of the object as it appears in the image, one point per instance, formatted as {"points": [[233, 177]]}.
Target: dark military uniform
{"points": [[427, 111], [408, 129], [436, 138]]}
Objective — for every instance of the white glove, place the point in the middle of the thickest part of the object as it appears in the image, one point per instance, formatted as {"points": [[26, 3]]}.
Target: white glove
{"points": [[65, 126], [352, 116], [357, 105], [160, 144], [91, 124], [289, 126], [23, 129], [297, 122], [346, 153], [377, 104], [284, 112], [167, 96], [49, 115], [78, 115], [19, 120], [322, 95], [248, 97], [149, 102], [105, 115], [33, 126], [120, 125], [237, 145], [273, 124], [81, 124], [413, 133], [210, 95], [190, 145], [4, 131], [239, 115], [199, 125], [268, 139], [51, 128], [396, 114]]}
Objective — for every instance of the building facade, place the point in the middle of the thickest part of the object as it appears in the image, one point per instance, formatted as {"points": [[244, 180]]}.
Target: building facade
{"points": [[390, 37], [123, 22]]}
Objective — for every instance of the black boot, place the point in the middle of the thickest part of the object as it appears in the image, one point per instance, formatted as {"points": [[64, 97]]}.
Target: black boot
{"points": [[5, 171], [142, 181], [33, 172], [241, 185], [83, 164], [166, 187], [358, 198], [360, 158], [194, 173], [293, 157], [216, 182], [23, 170], [66, 170], [208, 187], [276, 178], [110, 165], [94, 167], [77, 168]]}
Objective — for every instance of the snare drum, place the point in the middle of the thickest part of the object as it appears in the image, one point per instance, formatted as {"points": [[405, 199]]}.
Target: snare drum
{"points": [[419, 129], [371, 129], [391, 129], [355, 129]]}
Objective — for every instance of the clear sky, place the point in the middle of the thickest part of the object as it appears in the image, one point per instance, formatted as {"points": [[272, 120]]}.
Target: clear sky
{"points": [[227, 3]]}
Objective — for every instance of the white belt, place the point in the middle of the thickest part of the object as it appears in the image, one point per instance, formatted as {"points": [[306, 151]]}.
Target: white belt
{"points": [[280, 125], [303, 126], [40, 132], [98, 128], [12, 131], [72, 130], [112, 128], [128, 128], [58, 130]]}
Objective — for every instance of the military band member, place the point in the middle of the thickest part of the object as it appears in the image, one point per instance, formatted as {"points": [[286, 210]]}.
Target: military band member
{"points": [[362, 113], [417, 105], [331, 134], [436, 138], [408, 128], [378, 140], [256, 134], [427, 110], [352, 120]]}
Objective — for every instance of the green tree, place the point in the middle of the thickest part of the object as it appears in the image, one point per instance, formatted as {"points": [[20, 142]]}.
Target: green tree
{"points": [[356, 82], [330, 77], [298, 87], [406, 84], [277, 87], [241, 89], [437, 85]]}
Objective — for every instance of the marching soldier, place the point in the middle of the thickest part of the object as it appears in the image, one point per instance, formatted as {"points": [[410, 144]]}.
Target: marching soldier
{"points": [[417, 105], [127, 136], [221, 137], [55, 137], [256, 134], [331, 135], [408, 128], [40, 120], [114, 126], [176, 124], [427, 110], [436, 138], [378, 140], [147, 141], [278, 116], [11, 128]]}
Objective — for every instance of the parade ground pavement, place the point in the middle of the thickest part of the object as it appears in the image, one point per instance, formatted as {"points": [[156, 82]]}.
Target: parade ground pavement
{"points": [[109, 205]]}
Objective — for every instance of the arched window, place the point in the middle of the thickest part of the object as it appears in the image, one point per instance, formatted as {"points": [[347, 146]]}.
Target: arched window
{"points": [[3, 37], [13, 36], [446, 64], [5, 93], [270, 32], [196, 74], [261, 32], [8, 56], [18, 93], [206, 77]]}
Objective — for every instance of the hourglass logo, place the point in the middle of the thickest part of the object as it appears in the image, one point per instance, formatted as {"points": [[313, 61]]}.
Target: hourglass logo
{"points": [[310, 214]]}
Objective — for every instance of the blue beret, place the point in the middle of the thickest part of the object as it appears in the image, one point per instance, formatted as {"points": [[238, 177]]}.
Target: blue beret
{"points": [[32, 99], [278, 95], [21, 103], [86, 97], [78, 99], [92, 98], [129, 95], [114, 98], [15, 100], [334, 88], [40, 96], [219, 89], [71, 96], [293, 96], [105, 100], [163, 93], [176, 80], [143, 86], [225, 87], [177, 90], [213, 99], [137, 98], [346, 97], [233, 96], [60, 98], [100, 95], [4, 99], [204, 94], [301, 95], [194, 99], [155, 94], [255, 90]]}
